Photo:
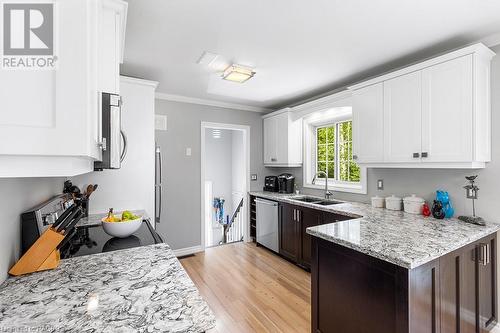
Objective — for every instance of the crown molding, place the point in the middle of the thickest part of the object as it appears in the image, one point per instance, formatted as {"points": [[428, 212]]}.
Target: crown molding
{"points": [[491, 40], [209, 102], [135, 80]]}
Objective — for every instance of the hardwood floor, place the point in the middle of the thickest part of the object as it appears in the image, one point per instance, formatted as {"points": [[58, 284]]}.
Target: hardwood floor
{"points": [[252, 290]]}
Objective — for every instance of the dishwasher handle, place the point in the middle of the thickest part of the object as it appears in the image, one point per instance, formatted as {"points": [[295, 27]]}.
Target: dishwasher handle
{"points": [[266, 202]]}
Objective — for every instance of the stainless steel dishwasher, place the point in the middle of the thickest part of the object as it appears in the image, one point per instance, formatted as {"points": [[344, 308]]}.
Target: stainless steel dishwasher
{"points": [[267, 224]]}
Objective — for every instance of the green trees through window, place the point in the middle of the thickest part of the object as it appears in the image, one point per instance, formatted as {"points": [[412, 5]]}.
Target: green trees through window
{"points": [[334, 152]]}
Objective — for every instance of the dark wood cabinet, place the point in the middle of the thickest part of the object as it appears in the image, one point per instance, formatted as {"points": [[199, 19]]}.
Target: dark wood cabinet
{"points": [[307, 218], [289, 232], [295, 242], [454, 293]]}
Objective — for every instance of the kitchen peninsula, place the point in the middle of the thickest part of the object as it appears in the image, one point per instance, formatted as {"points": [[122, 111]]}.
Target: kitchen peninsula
{"points": [[376, 270]]}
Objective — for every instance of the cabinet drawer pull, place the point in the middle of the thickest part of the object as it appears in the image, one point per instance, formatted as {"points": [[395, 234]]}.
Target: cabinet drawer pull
{"points": [[354, 157], [425, 154], [274, 159], [416, 155]]}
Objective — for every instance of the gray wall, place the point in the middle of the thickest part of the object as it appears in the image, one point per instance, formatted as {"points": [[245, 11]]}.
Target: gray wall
{"points": [[181, 218], [16, 196], [424, 182]]}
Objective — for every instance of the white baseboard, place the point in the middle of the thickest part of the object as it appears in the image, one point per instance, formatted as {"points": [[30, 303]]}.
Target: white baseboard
{"points": [[187, 251], [496, 329]]}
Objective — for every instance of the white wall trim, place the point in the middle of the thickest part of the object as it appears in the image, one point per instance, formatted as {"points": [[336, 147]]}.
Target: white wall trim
{"points": [[135, 80], [246, 142], [187, 251], [209, 102]]}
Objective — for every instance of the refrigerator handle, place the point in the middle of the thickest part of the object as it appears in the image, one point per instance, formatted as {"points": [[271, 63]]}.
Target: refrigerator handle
{"points": [[158, 185]]}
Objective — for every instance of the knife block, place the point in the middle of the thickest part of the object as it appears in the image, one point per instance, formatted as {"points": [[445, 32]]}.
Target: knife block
{"points": [[42, 255]]}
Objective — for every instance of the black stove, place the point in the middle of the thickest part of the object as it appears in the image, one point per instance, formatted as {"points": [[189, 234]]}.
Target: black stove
{"points": [[93, 239]]}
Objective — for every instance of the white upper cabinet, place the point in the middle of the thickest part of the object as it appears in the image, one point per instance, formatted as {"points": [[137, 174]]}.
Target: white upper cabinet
{"points": [[447, 109], [402, 118], [282, 139], [49, 118], [112, 16], [436, 114], [368, 124]]}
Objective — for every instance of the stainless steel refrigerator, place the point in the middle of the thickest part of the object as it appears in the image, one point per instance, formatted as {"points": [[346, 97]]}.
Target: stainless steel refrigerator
{"points": [[158, 176]]}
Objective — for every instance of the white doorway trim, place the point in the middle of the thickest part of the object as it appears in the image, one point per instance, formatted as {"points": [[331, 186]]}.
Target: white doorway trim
{"points": [[246, 147]]}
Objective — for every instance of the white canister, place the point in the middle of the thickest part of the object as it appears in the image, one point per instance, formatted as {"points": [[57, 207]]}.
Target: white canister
{"points": [[413, 204], [378, 202], [393, 203]]}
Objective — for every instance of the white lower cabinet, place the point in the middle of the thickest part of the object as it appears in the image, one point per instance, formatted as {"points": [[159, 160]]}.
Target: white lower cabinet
{"points": [[282, 139], [436, 114], [49, 118]]}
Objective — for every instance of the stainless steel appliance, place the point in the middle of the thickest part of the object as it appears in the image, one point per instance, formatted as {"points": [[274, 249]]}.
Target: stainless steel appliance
{"points": [[113, 141], [267, 224], [286, 183], [158, 188], [38, 219], [271, 184]]}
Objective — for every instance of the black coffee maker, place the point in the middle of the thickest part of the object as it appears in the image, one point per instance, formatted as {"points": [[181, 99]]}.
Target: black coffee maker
{"points": [[286, 183]]}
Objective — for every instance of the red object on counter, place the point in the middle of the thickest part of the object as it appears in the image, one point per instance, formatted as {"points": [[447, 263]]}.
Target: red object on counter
{"points": [[426, 211]]}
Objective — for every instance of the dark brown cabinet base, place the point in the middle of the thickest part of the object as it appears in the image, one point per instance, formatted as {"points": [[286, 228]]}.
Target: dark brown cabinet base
{"points": [[356, 293], [294, 241]]}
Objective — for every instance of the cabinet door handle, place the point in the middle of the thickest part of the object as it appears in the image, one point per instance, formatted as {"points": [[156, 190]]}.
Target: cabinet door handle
{"points": [[484, 254], [354, 157], [294, 214], [298, 215], [274, 159], [425, 154], [416, 155]]}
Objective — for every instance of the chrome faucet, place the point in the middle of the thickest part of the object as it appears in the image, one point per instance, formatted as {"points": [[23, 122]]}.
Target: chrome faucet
{"points": [[328, 194]]}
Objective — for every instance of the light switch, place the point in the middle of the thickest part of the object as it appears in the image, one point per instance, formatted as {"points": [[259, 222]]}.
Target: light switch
{"points": [[380, 184], [253, 177], [160, 122], [188, 151]]}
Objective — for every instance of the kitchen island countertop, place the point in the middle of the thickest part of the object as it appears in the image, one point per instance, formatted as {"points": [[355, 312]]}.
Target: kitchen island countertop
{"points": [[142, 289], [397, 237]]}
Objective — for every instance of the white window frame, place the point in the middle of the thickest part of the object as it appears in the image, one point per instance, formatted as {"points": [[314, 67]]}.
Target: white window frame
{"points": [[311, 123]]}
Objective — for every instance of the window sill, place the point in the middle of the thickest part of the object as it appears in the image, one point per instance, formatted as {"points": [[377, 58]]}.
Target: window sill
{"points": [[357, 188]]}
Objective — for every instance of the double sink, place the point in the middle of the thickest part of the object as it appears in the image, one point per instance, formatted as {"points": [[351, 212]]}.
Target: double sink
{"points": [[315, 200]]}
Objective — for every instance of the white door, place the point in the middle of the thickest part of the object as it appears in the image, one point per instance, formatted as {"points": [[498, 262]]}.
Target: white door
{"points": [[270, 138], [110, 28], [282, 125], [447, 111], [402, 118], [368, 124]]}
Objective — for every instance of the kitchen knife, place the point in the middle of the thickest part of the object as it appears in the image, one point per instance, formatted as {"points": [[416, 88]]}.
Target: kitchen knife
{"points": [[63, 216], [73, 223], [68, 220]]}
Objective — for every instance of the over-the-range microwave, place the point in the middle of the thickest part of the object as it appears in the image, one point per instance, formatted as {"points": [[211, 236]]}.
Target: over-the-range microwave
{"points": [[113, 141]]}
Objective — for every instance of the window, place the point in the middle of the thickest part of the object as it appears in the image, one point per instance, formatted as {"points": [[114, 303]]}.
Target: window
{"points": [[328, 147], [334, 152]]}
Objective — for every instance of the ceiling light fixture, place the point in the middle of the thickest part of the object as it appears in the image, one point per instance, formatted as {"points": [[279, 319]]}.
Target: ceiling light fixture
{"points": [[238, 73]]}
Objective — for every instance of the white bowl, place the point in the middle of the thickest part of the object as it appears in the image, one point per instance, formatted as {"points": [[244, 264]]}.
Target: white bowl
{"points": [[122, 229]]}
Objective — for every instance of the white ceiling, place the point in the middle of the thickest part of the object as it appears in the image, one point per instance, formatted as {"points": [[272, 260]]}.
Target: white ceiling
{"points": [[299, 48]]}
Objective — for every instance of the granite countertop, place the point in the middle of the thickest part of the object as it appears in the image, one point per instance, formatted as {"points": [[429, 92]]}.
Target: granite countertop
{"points": [[142, 289], [95, 219], [400, 238]]}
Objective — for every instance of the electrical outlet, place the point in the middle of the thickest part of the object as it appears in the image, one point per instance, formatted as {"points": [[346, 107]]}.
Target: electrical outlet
{"points": [[380, 184], [253, 177], [160, 122], [188, 151]]}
